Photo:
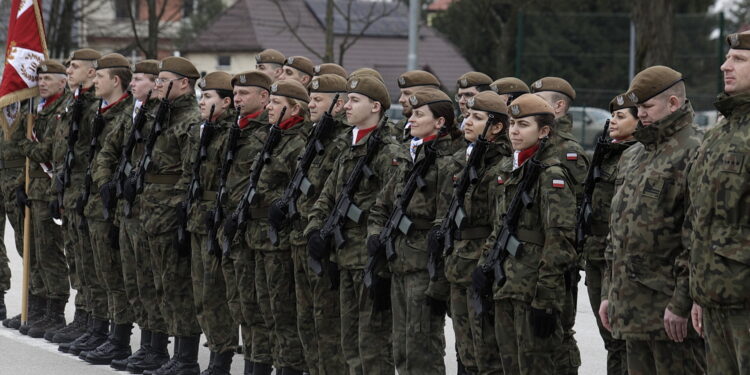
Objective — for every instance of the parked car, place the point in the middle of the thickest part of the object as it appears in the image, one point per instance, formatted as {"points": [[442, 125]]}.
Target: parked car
{"points": [[588, 123]]}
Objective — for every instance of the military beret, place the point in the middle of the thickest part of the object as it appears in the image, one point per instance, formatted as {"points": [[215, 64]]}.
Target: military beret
{"points": [[301, 63], [270, 56], [112, 61], [472, 79], [290, 89], [85, 54], [50, 67], [216, 81], [619, 102], [254, 78], [488, 101], [555, 84], [428, 96], [328, 83], [147, 67], [367, 72], [739, 41], [417, 78], [651, 82], [509, 85], [370, 87], [529, 105], [330, 68], [180, 66]]}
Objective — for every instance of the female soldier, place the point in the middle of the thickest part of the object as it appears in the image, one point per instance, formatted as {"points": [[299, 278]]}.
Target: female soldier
{"points": [[418, 304], [621, 127], [529, 300], [476, 346]]}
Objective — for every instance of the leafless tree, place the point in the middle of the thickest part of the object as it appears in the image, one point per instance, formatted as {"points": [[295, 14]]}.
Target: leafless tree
{"points": [[158, 17]]}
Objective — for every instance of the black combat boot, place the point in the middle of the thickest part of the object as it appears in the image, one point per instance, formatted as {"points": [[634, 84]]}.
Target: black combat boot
{"points": [[157, 358], [209, 370], [98, 336], [262, 368], [248, 367], [187, 359], [54, 320], [122, 364], [116, 347], [290, 371], [37, 310], [65, 347], [3, 311], [70, 332], [220, 364]]}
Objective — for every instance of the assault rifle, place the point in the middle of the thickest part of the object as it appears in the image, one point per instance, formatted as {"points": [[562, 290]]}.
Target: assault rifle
{"points": [[63, 181], [583, 222], [98, 128]]}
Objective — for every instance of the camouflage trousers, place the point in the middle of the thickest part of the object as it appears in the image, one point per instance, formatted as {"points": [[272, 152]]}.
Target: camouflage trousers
{"points": [[49, 257], [657, 357], [318, 318], [173, 282], [617, 357], [239, 270], [93, 287], [418, 333], [109, 270], [4, 268], [279, 285], [130, 278], [475, 334], [70, 244], [365, 334], [210, 296], [520, 350], [567, 355], [727, 335]]}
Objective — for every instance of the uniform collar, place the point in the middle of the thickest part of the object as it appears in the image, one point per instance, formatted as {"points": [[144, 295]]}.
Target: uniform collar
{"points": [[662, 130]]}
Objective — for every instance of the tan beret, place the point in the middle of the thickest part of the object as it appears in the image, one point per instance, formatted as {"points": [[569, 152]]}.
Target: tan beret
{"points": [[330, 68], [367, 72], [509, 85], [147, 67], [417, 78], [301, 63], [651, 82], [50, 67], [254, 78], [529, 105], [216, 81], [370, 87], [428, 96], [112, 61], [87, 54], [290, 89], [328, 83], [270, 56], [472, 79], [555, 84], [180, 66], [488, 101], [739, 41], [619, 102]]}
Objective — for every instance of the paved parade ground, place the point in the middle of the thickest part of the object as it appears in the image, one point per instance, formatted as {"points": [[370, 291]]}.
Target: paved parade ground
{"points": [[22, 355]]}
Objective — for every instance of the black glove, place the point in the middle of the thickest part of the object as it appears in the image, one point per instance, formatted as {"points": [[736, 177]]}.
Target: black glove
{"points": [[54, 209], [107, 192], [380, 292], [80, 206], [129, 189], [22, 200], [480, 282], [317, 247], [114, 236], [437, 307], [277, 214], [334, 274], [182, 214], [373, 245], [543, 322], [230, 226], [435, 240]]}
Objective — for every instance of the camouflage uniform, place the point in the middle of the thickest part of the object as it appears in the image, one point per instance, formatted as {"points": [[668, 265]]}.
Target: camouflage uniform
{"points": [[641, 279], [158, 217], [318, 319], [718, 224], [535, 276], [475, 335], [593, 251], [365, 333]]}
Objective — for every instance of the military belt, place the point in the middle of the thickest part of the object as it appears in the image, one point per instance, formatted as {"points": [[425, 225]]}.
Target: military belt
{"points": [[208, 196], [35, 173], [422, 224], [474, 233], [15, 163], [599, 229], [530, 236], [258, 212], [161, 179]]}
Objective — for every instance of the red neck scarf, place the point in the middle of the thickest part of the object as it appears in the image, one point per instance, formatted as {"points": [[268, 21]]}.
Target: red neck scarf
{"points": [[291, 122], [361, 133], [52, 99], [246, 120], [527, 153], [110, 105]]}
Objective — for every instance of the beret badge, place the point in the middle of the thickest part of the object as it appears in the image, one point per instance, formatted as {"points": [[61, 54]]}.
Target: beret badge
{"points": [[354, 83], [274, 88], [413, 100], [315, 84], [470, 103], [515, 110], [401, 80], [633, 97], [620, 100]]}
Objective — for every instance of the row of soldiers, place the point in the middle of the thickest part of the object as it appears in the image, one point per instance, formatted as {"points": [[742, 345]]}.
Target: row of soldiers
{"points": [[284, 208]]}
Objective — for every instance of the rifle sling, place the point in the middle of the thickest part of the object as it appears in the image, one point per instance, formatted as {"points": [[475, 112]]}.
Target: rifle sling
{"points": [[161, 179], [419, 224], [15, 163], [474, 233]]}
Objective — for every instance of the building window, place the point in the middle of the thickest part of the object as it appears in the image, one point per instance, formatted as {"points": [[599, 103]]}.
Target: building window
{"points": [[224, 61], [121, 8]]}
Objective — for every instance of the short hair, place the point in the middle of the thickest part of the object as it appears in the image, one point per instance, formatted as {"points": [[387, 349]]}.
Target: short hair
{"points": [[678, 90], [557, 96], [483, 87], [226, 94], [125, 75], [545, 119], [446, 111], [303, 107]]}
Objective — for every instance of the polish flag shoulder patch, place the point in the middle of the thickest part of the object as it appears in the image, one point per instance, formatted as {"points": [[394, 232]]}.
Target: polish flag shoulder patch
{"points": [[572, 156], [500, 180], [558, 184]]}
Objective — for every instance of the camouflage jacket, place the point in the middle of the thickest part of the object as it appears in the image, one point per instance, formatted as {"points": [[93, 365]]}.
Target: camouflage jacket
{"points": [[114, 118], [601, 199], [10, 151], [571, 153], [353, 254], [719, 215], [273, 179], [535, 274], [47, 122], [159, 200], [647, 264], [479, 205], [209, 169], [320, 168]]}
